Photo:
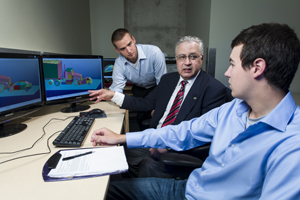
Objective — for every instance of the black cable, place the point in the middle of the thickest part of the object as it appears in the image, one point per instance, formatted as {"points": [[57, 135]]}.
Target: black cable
{"points": [[35, 143], [31, 154]]}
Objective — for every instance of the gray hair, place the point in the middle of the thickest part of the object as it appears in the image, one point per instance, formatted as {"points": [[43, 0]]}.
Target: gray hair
{"points": [[190, 39]]}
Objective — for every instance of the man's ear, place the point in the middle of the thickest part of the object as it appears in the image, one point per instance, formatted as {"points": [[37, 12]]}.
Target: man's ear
{"points": [[117, 50], [259, 66]]}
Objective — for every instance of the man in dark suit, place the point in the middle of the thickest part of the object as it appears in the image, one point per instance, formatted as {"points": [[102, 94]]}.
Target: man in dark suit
{"points": [[201, 93]]}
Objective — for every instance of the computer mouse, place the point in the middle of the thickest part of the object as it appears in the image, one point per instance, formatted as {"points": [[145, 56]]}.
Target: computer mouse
{"points": [[95, 113]]}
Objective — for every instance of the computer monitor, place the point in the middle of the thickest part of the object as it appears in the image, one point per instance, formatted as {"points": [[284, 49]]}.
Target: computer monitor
{"points": [[108, 66], [69, 77], [21, 90]]}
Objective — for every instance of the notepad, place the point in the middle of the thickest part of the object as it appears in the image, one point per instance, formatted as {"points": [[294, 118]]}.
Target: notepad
{"points": [[103, 160]]}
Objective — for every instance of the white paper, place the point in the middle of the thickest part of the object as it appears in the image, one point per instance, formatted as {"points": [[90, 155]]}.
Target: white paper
{"points": [[104, 160]]}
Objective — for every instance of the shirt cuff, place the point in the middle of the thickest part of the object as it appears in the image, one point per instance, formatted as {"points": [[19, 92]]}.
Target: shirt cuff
{"points": [[118, 98], [134, 140]]}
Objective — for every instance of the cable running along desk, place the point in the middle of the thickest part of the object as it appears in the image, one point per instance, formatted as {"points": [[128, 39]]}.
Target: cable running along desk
{"points": [[22, 178]]}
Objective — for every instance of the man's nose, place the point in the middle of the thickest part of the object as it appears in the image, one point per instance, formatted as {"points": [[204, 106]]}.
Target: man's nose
{"points": [[187, 61], [227, 73]]}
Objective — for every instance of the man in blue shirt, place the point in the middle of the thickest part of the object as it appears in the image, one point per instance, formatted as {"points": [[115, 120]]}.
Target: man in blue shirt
{"points": [[255, 139], [142, 65]]}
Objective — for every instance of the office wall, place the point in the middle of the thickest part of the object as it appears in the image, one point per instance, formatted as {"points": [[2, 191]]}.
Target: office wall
{"points": [[198, 23], [106, 16], [60, 26], [229, 17], [157, 22]]}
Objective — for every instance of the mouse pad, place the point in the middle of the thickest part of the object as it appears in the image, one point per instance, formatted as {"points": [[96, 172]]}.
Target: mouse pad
{"points": [[87, 114]]}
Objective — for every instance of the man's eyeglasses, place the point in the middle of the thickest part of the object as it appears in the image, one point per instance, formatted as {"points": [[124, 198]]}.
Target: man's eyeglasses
{"points": [[182, 58]]}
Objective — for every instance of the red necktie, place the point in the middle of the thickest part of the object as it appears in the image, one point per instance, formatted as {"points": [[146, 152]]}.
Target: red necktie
{"points": [[175, 107]]}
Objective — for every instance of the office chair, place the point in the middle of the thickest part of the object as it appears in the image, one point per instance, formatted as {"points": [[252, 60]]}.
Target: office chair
{"points": [[183, 163]]}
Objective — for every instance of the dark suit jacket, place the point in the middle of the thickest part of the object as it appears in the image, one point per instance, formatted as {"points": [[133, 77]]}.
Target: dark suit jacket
{"points": [[205, 94]]}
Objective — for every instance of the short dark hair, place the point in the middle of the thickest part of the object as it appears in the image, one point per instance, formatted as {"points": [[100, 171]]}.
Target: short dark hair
{"points": [[278, 45], [118, 35]]}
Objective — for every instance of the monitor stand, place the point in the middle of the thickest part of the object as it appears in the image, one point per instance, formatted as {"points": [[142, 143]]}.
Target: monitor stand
{"points": [[11, 129], [74, 108]]}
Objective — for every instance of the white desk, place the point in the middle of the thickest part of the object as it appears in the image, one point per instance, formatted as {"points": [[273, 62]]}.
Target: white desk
{"points": [[22, 178]]}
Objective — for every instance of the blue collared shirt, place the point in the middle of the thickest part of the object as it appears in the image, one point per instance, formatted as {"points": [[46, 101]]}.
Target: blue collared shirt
{"points": [[151, 66], [260, 162]]}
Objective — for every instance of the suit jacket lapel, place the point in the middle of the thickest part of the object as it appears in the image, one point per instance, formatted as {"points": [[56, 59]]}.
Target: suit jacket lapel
{"points": [[168, 90], [190, 99]]}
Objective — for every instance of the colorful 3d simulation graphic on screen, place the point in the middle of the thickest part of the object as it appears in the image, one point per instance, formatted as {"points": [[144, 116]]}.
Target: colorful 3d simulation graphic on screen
{"points": [[19, 82], [70, 77], [108, 68]]}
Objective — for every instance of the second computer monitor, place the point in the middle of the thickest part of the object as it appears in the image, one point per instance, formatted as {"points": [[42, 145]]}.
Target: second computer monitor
{"points": [[108, 66], [69, 77]]}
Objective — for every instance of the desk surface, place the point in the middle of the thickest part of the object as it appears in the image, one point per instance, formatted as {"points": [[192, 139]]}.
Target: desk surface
{"points": [[22, 178]]}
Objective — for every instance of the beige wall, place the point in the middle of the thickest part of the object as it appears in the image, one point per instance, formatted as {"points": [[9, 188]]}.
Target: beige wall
{"points": [[106, 16], [60, 26]]}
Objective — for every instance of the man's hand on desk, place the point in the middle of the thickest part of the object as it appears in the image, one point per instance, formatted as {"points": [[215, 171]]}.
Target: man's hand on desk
{"points": [[105, 136], [101, 94]]}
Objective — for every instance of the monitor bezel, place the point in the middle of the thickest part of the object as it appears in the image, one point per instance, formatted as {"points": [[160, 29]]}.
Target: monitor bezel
{"points": [[107, 80], [170, 60], [21, 111]]}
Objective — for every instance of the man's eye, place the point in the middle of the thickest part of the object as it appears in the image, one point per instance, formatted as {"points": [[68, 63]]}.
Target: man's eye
{"points": [[182, 57]]}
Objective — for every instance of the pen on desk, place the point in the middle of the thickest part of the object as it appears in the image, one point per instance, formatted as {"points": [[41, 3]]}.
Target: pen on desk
{"points": [[83, 154]]}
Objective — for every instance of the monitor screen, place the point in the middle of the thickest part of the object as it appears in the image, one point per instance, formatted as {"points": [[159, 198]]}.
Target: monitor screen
{"points": [[21, 90], [69, 77], [108, 66]]}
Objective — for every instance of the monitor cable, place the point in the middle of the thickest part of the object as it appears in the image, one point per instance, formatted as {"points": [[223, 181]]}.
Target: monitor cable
{"points": [[49, 150]]}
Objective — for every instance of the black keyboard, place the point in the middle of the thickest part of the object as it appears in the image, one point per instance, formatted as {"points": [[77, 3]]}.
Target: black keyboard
{"points": [[74, 133]]}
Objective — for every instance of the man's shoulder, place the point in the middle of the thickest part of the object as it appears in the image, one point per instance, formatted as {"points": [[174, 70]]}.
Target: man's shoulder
{"points": [[170, 75], [210, 80], [148, 48], [120, 59], [169, 78]]}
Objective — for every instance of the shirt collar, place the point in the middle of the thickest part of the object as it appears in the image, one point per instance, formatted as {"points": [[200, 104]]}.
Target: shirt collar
{"points": [[141, 52], [279, 117]]}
